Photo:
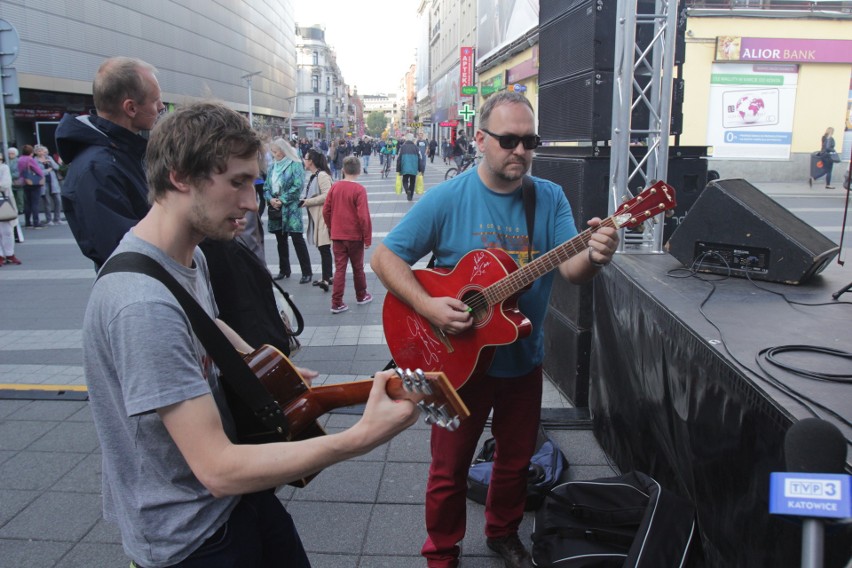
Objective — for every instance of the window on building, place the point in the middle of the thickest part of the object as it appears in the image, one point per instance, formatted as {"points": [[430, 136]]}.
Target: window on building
{"points": [[316, 107], [328, 84], [315, 58], [327, 106], [315, 83]]}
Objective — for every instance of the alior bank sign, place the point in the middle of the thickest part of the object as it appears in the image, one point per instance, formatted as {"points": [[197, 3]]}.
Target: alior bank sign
{"points": [[764, 49]]}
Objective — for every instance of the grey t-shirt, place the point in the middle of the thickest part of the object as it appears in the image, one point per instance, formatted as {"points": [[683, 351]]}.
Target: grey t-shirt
{"points": [[140, 355]]}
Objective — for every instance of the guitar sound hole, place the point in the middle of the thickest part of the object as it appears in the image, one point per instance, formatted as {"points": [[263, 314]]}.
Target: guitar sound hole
{"points": [[475, 300]]}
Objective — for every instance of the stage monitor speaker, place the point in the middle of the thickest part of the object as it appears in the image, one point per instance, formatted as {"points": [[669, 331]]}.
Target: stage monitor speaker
{"points": [[735, 229]]}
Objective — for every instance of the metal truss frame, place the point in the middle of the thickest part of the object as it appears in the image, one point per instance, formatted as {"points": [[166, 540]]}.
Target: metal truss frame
{"points": [[641, 76]]}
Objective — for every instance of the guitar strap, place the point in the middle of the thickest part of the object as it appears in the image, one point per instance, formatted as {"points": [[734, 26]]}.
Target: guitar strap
{"points": [[528, 196], [235, 371]]}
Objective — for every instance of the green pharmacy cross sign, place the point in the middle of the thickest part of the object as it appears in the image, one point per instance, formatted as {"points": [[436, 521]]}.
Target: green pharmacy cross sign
{"points": [[466, 112]]}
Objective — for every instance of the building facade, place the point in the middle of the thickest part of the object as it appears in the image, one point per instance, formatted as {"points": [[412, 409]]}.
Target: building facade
{"points": [[322, 108], [201, 50]]}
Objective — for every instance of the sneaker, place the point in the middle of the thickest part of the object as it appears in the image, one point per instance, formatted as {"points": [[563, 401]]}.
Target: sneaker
{"points": [[510, 549], [12, 260], [365, 300], [339, 309]]}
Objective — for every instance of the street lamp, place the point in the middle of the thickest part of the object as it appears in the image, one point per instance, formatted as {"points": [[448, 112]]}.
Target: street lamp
{"points": [[247, 78], [290, 109]]}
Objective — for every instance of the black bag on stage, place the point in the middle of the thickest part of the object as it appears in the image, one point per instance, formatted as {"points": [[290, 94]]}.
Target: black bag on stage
{"points": [[546, 469], [629, 521]]}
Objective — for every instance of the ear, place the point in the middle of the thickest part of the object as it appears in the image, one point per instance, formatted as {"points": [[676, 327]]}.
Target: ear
{"points": [[178, 182], [129, 107], [479, 138]]}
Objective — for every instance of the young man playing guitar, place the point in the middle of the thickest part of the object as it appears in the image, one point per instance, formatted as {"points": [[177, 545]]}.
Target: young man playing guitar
{"points": [[182, 492], [484, 208]]}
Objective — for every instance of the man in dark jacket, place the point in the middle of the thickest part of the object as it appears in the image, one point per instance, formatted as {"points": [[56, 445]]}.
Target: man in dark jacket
{"points": [[105, 191]]}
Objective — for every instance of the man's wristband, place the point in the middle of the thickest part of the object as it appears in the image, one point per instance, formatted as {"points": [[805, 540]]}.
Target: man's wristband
{"points": [[592, 261]]}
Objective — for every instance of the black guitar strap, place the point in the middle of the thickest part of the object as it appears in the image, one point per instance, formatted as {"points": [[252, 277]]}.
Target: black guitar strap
{"points": [[235, 371], [528, 194]]}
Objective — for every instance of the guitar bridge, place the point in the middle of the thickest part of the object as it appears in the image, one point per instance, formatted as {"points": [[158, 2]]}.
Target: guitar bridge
{"points": [[442, 337]]}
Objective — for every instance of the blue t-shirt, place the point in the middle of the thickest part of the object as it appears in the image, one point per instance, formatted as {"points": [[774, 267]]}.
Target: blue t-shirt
{"points": [[462, 215]]}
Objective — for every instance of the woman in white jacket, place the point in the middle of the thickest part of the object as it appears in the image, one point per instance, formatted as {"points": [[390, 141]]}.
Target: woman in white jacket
{"points": [[7, 236]]}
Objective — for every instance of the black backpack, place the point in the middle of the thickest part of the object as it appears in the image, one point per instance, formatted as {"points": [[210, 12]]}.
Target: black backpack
{"points": [[629, 521], [547, 466]]}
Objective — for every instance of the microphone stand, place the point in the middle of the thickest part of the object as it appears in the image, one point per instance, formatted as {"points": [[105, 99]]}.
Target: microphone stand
{"points": [[813, 543], [843, 290]]}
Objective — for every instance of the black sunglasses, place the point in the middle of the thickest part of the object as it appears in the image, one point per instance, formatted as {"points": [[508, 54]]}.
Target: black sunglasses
{"points": [[510, 141]]}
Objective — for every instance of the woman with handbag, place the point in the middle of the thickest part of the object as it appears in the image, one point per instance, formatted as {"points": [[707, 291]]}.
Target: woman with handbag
{"points": [[282, 190], [829, 157], [33, 177], [313, 200], [8, 216]]}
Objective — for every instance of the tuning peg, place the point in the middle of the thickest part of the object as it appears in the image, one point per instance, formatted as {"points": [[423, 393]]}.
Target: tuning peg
{"points": [[425, 387]]}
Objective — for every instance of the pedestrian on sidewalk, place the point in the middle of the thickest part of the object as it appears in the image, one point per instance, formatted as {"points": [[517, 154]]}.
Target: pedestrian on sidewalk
{"points": [[52, 191], [181, 491], [104, 193], [313, 199], [827, 152], [347, 215], [283, 190], [7, 233], [410, 163], [33, 177], [466, 213]]}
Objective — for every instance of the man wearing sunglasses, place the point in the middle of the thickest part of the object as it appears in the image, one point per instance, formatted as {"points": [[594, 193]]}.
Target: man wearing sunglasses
{"points": [[484, 208]]}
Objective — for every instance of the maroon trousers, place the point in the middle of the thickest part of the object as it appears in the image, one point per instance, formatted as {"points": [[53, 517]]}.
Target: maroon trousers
{"points": [[344, 253], [516, 403]]}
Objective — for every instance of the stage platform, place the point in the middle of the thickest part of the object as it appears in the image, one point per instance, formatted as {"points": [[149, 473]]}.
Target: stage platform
{"points": [[677, 391]]}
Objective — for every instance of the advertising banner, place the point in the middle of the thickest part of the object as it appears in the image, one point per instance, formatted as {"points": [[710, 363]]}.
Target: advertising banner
{"points": [[750, 113], [770, 49], [466, 70]]}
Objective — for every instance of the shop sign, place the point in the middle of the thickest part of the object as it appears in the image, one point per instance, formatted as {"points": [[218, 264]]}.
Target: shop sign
{"points": [[737, 48]]}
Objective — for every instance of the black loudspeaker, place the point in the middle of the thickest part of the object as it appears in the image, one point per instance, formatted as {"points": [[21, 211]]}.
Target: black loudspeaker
{"points": [[735, 229], [579, 108], [567, 355], [585, 179]]}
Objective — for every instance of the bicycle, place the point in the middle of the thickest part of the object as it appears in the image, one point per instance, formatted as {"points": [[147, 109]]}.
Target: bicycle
{"points": [[386, 168], [466, 163]]}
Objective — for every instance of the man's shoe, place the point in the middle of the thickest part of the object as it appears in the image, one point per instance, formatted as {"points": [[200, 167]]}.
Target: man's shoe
{"points": [[829, 187], [510, 549], [365, 300], [305, 279], [280, 276], [339, 309], [12, 259], [322, 284]]}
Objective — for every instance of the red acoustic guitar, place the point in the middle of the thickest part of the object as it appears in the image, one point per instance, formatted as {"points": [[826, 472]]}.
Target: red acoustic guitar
{"points": [[303, 404], [489, 282]]}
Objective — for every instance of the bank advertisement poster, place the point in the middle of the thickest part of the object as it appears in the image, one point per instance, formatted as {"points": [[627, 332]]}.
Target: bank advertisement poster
{"points": [[751, 110]]}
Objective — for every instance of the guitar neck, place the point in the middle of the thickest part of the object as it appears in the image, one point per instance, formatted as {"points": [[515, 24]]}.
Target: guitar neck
{"points": [[532, 271], [432, 392]]}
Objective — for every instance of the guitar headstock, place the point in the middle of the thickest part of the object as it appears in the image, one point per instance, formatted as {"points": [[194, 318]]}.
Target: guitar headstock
{"points": [[438, 400], [651, 202]]}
